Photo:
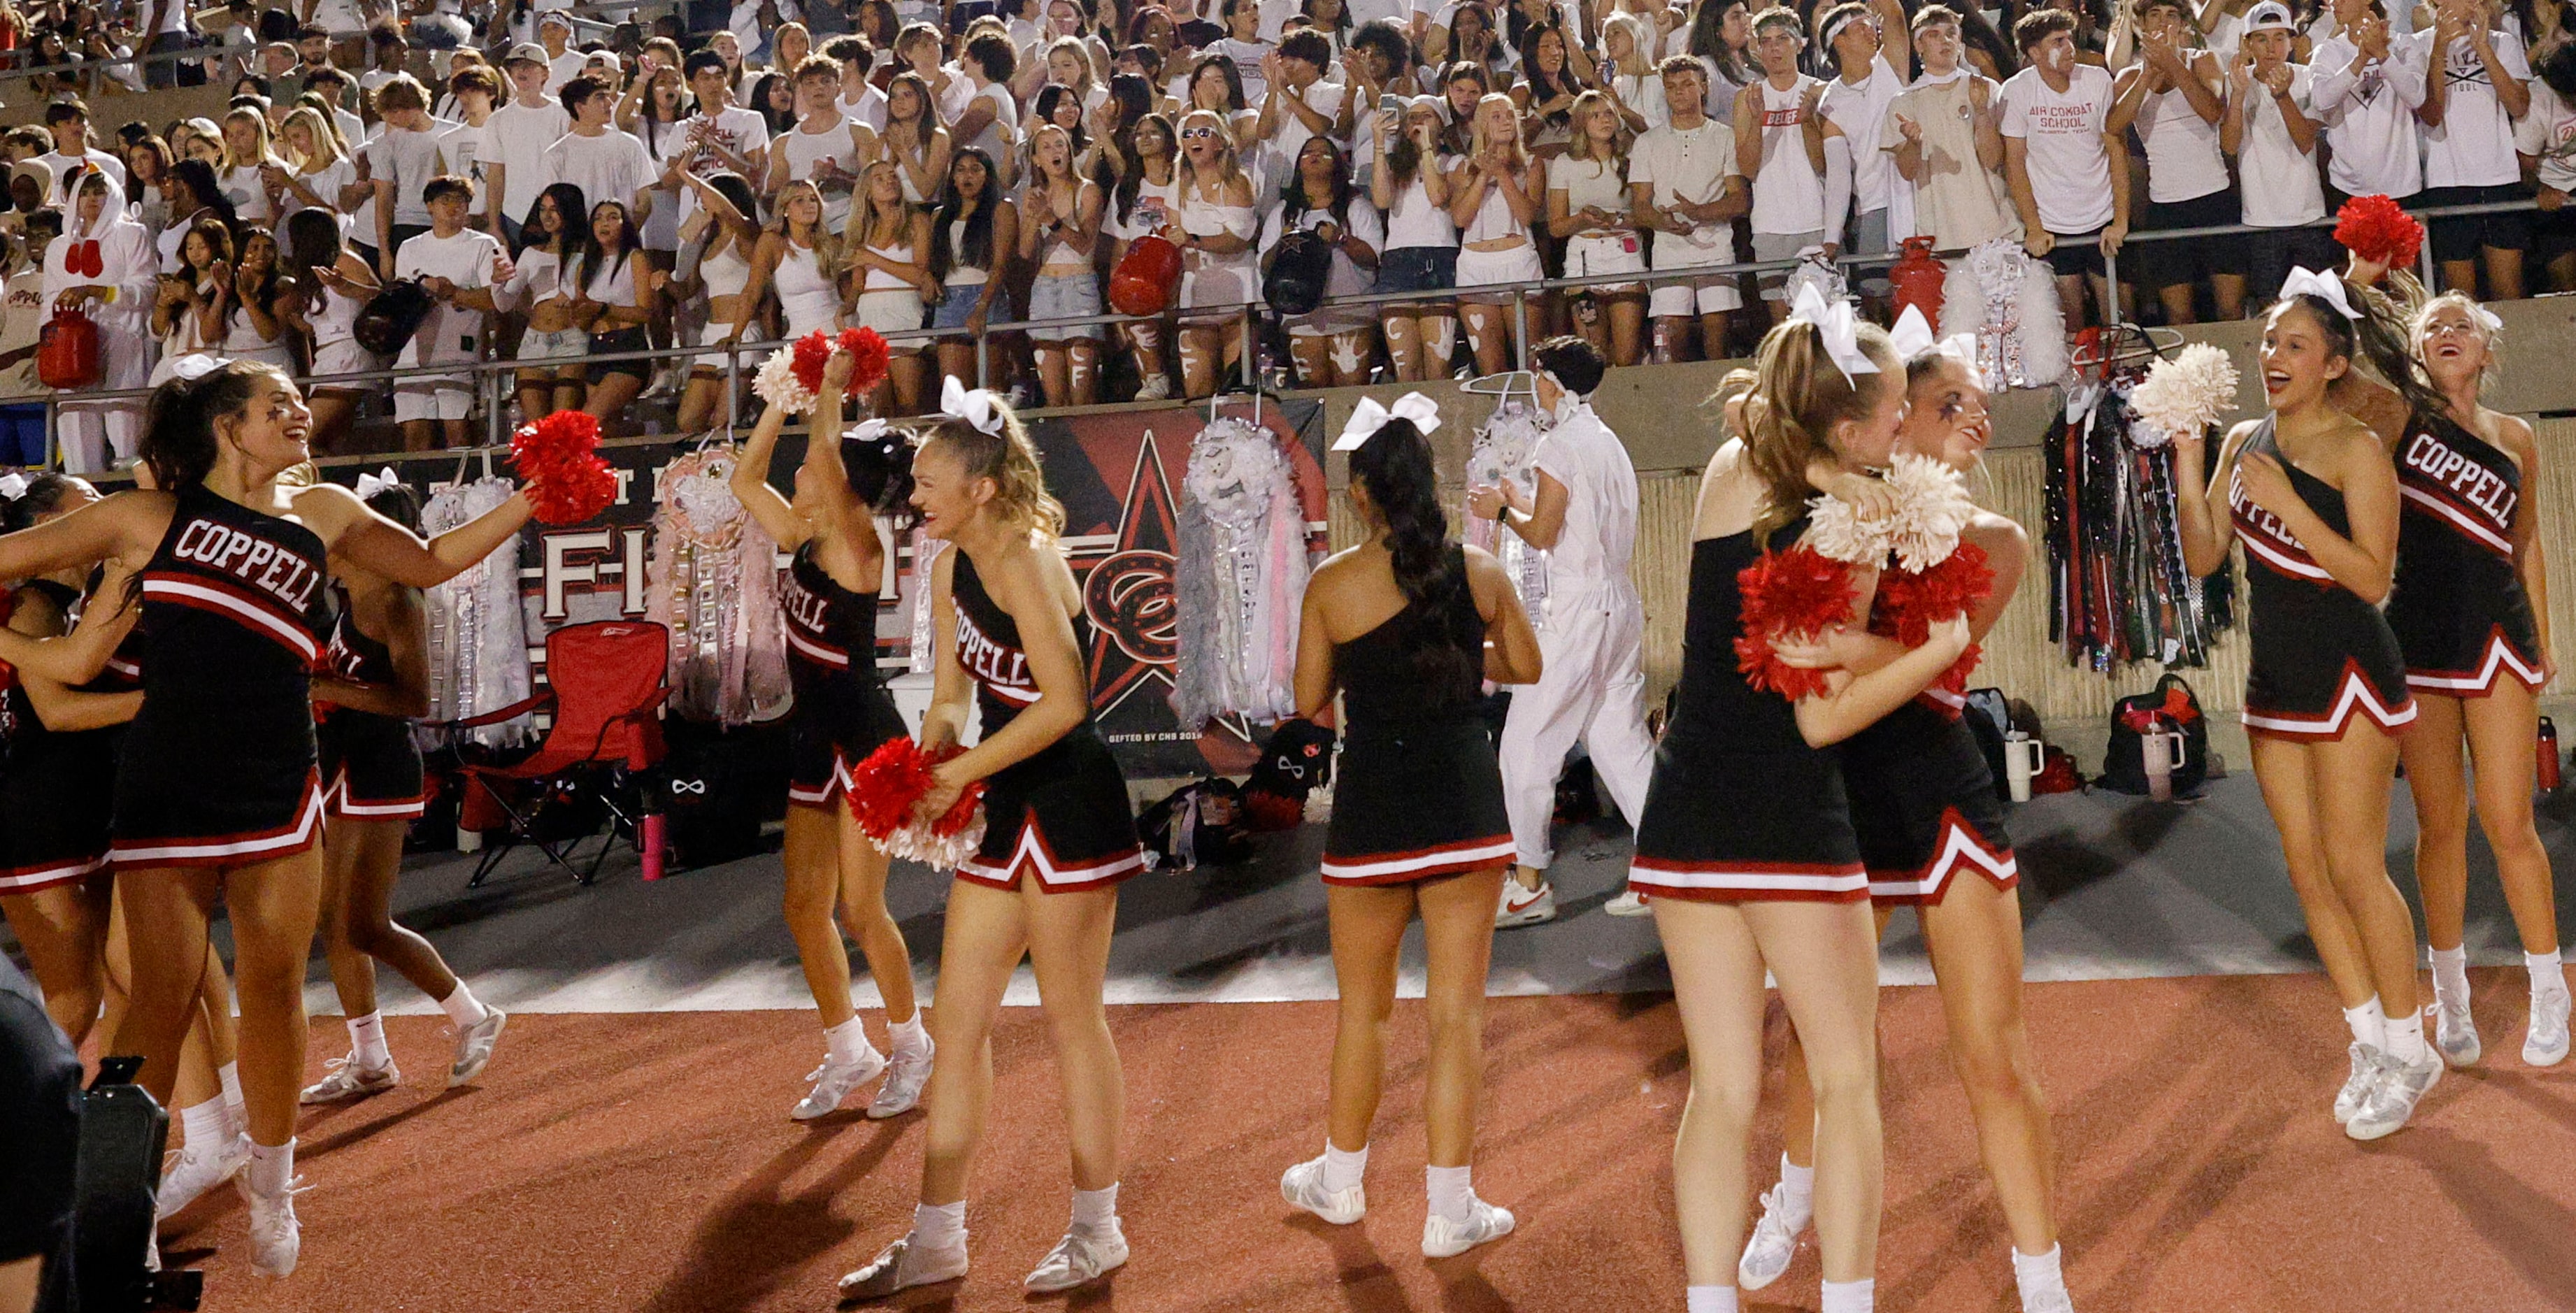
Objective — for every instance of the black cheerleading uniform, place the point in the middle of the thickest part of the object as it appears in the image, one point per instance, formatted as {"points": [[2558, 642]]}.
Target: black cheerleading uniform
{"points": [[371, 768], [220, 766], [55, 791], [1923, 804], [1061, 811], [1420, 792], [2320, 652], [843, 711], [1740, 807], [2458, 605]]}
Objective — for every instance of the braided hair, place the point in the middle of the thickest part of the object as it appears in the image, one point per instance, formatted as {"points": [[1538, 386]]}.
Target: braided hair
{"points": [[1395, 467]]}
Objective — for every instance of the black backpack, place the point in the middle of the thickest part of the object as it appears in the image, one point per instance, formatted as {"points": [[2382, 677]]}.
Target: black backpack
{"points": [[1199, 822], [2169, 705], [391, 316], [1298, 757], [1299, 266], [1989, 718]]}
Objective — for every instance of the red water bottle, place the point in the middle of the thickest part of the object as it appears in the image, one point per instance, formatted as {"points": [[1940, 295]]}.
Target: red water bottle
{"points": [[2547, 744], [653, 841]]}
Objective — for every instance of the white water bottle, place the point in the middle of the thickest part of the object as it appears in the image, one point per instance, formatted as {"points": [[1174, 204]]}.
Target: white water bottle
{"points": [[2161, 750], [2022, 759]]}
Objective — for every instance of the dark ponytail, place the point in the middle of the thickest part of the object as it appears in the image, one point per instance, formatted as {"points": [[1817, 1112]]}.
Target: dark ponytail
{"points": [[179, 420], [42, 496], [399, 504], [2379, 339], [1395, 466], [879, 469]]}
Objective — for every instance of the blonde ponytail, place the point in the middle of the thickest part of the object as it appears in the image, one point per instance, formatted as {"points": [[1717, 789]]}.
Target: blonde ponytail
{"points": [[1010, 460], [1798, 396]]}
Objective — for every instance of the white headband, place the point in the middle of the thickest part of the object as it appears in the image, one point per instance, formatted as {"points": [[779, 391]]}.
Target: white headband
{"points": [[2325, 287], [371, 484], [1368, 417], [1912, 336], [1836, 328], [973, 405]]}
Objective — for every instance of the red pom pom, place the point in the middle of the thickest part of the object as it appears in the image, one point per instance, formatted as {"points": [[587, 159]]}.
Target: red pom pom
{"points": [[1908, 605], [2377, 230], [1796, 593], [869, 358], [560, 455], [813, 351], [884, 788]]}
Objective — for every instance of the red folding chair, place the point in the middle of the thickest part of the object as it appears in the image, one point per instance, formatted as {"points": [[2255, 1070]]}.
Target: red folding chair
{"points": [[605, 690]]}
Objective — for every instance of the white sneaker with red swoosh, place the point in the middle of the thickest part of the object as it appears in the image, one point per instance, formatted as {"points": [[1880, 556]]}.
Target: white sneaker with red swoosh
{"points": [[1525, 906]]}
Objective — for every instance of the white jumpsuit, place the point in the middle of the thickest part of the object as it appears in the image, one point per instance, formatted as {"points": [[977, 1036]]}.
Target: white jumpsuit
{"points": [[1591, 635], [129, 267]]}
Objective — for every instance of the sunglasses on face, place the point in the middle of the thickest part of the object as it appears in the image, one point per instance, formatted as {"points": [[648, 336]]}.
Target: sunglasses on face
{"points": [[1197, 134]]}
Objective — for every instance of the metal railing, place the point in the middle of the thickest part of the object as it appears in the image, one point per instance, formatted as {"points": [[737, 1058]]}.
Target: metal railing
{"points": [[2424, 270]]}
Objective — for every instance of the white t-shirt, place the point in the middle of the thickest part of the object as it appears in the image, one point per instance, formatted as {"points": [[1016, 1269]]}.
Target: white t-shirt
{"points": [[2375, 143], [2548, 134], [739, 131], [2473, 147], [1324, 98], [23, 313], [460, 152], [64, 166], [408, 160], [2184, 159], [869, 108], [1956, 199], [609, 167], [1600, 533], [326, 183], [564, 68], [1688, 166], [1788, 192], [1413, 220], [516, 137], [996, 138], [1861, 112], [451, 332], [2287, 190], [2070, 171], [1155, 208]]}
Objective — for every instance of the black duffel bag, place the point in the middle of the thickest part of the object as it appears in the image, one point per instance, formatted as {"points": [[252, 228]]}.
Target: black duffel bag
{"points": [[2168, 707], [385, 325], [1300, 265]]}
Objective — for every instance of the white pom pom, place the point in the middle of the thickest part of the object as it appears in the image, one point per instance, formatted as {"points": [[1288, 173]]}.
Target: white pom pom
{"points": [[1932, 508], [1836, 530], [777, 384], [915, 842], [2183, 396]]}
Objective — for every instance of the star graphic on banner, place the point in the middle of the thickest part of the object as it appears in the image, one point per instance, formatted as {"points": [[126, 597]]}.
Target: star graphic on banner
{"points": [[1128, 592]]}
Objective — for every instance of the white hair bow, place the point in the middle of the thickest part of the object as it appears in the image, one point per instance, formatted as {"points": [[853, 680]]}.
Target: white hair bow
{"points": [[371, 484], [2325, 287], [196, 367], [1368, 417], [1912, 336], [13, 486], [867, 430], [2486, 318], [973, 405], [1836, 327]]}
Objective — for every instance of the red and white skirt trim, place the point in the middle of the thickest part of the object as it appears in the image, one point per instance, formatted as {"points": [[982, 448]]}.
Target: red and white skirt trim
{"points": [[1055, 875], [2497, 659], [1420, 864], [33, 879], [2353, 695], [337, 800], [230, 849], [1744, 881], [1960, 847]]}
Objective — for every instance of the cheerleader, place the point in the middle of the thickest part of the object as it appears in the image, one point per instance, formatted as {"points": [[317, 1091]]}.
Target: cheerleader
{"points": [[2470, 611], [1406, 626], [1058, 839], [842, 713], [1931, 833], [2311, 494], [376, 684], [216, 794], [1746, 850]]}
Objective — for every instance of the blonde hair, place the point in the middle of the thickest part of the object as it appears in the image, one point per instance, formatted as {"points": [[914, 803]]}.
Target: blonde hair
{"points": [[1082, 55], [1010, 460], [1637, 64], [1231, 167], [827, 248], [1596, 99], [1799, 394], [326, 140], [865, 214], [259, 128], [1476, 129], [2491, 332]]}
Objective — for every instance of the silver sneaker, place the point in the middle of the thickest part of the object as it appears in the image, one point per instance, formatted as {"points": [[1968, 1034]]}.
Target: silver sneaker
{"points": [[1521, 907], [197, 1168], [1442, 1238], [1773, 1243], [474, 1047], [2455, 1032], [2366, 1061], [2544, 1044], [1079, 1259], [906, 1073], [1303, 1186], [1628, 903], [834, 1083], [345, 1079], [275, 1236], [901, 1266], [2392, 1098]]}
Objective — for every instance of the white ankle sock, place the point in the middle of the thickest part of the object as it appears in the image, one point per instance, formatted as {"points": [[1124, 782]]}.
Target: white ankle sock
{"points": [[462, 1008], [1797, 1193], [1452, 1196], [1344, 1168], [2369, 1024], [1850, 1297], [271, 1167], [229, 1077], [206, 1126], [1096, 1210], [2035, 1275], [1710, 1299], [939, 1226], [367, 1038], [2548, 976], [2450, 975], [907, 1036], [2406, 1038], [849, 1042]]}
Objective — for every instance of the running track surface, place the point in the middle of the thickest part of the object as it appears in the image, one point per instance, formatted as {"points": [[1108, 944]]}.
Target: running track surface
{"points": [[644, 1162]]}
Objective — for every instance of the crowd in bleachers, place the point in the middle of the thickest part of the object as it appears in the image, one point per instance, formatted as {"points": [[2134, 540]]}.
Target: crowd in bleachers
{"points": [[568, 181]]}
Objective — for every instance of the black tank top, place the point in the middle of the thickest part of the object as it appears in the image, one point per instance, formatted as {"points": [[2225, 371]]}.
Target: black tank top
{"points": [[831, 630], [1382, 680], [30, 744], [1713, 706], [2285, 568], [2456, 577], [234, 610], [353, 655], [988, 646]]}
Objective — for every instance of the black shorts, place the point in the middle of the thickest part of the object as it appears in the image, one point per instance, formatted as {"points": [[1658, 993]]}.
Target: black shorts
{"points": [[2189, 259], [1416, 802], [371, 769], [616, 340], [2553, 234], [53, 810], [2461, 238], [2076, 254], [1061, 814], [2274, 251]]}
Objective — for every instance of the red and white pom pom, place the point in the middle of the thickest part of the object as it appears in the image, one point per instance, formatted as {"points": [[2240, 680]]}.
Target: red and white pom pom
{"points": [[886, 789], [1909, 604], [870, 357], [781, 380], [560, 455], [2378, 230], [1796, 593]]}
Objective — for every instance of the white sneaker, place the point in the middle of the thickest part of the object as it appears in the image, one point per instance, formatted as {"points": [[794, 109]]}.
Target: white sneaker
{"points": [[901, 1266], [1525, 906], [2544, 1044], [905, 1075], [1080, 1258], [474, 1047], [1442, 1238], [1773, 1243], [833, 1084], [2392, 1098], [1157, 388], [1628, 903], [275, 1236], [345, 1079], [1303, 1186], [2055, 1299], [2455, 1033], [2366, 1061], [196, 1169]]}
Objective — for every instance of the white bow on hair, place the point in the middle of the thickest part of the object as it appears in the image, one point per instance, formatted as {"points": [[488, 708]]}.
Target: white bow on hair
{"points": [[973, 405], [13, 486], [1368, 417], [867, 430], [371, 484], [1912, 336], [1836, 327], [2325, 287]]}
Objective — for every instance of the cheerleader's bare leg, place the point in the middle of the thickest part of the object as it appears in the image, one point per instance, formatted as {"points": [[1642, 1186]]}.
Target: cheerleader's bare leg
{"points": [[864, 917], [64, 930], [810, 904], [2288, 778]]}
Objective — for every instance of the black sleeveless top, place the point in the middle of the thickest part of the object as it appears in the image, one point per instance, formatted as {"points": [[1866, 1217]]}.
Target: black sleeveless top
{"points": [[235, 613], [1713, 705], [1382, 679], [988, 646], [831, 630], [352, 655], [2457, 584], [2307, 632], [27, 738]]}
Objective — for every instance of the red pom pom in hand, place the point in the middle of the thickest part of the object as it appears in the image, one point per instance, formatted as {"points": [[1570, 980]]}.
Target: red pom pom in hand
{"points": [[884, 787], [1791, 594], [560, 456], [869, 358], [813, 351], [2377, 230], [1908, 605]]}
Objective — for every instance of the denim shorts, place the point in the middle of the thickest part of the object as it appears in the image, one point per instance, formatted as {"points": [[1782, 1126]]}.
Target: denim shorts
{"points": [[956, 305], [561, 344], [1064, 296], [1418, 269]]}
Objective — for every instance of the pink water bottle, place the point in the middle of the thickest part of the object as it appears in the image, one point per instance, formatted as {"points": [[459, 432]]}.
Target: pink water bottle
{"points": [[652, 845]]}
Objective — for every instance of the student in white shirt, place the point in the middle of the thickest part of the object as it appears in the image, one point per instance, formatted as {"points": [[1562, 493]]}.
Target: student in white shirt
{"points": [[860, 98], [1799, 162], [320, 170], [1945, 136], [608, 165], [2069, 171], [1686, 184], [400, 162], [2545, 138], [251, 174], [2174, 96], [727, 138], [473, 91], [1334, 344], [459, 268], [1298, 105], [2368, 83], [513, 152], [563, 64], [2269, 129], [1871, 52], [2475, 85], [990, 122], [1589, 209], [827, 148], [68, 122]]}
